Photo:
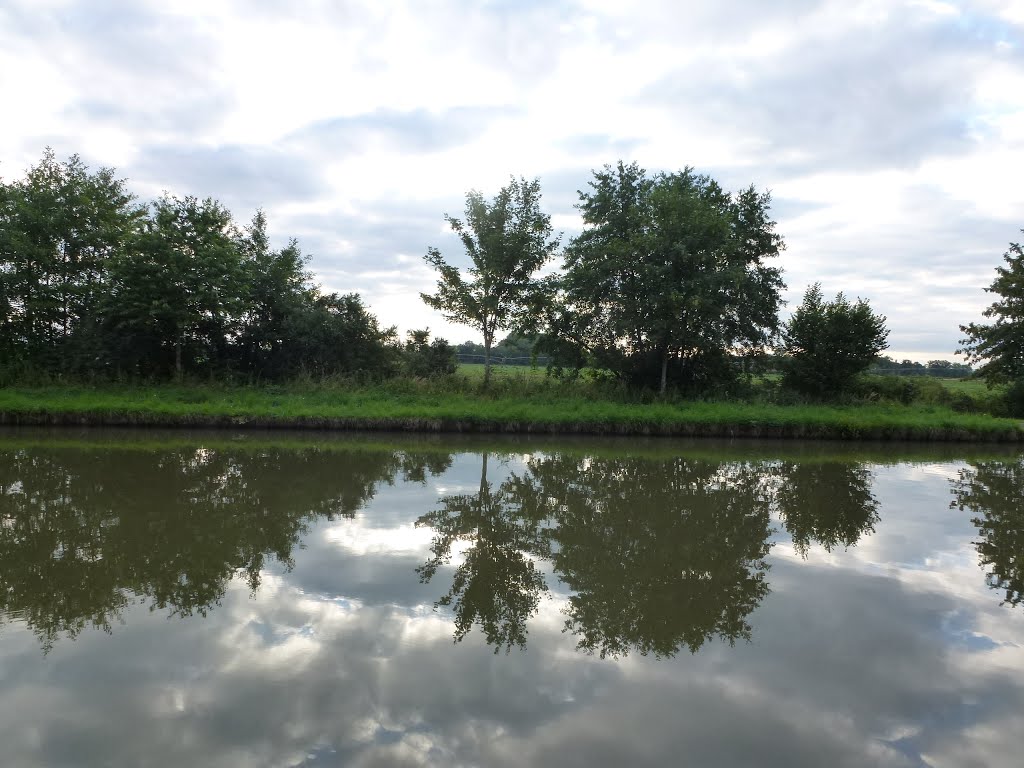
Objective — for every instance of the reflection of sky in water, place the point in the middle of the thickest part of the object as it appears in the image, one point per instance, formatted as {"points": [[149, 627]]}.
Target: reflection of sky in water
{"points": [[892, 652]]}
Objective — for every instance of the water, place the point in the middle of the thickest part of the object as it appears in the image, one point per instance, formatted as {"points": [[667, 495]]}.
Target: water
{"points": [[172, 599]]}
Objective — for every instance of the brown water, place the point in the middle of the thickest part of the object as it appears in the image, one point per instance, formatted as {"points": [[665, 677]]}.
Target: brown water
{"points": [[171, 599]]}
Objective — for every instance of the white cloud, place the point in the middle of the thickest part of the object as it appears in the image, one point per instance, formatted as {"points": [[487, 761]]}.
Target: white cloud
{"points": [[900, 125]]}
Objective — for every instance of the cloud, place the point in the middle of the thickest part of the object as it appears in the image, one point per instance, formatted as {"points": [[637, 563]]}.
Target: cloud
{"points": [[884, 91], [892, 134]]}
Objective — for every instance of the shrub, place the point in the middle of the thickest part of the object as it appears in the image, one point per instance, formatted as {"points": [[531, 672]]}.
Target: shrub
{"points": [[425, 359], [828, 343]]}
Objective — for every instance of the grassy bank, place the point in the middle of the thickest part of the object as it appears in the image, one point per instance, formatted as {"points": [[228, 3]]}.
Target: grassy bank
{"points": [[412, 406]]}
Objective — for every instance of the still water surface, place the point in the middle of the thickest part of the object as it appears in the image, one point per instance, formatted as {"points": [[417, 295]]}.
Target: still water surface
{"points": [[171, 599]]}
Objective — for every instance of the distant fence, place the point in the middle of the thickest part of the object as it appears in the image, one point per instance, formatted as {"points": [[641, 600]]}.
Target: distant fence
{"points": [[542, 360], [936, 373]]}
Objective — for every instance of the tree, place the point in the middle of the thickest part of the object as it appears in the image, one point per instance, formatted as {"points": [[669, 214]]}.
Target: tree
{"points": [[279, 288], [337, 334], [425, 358], [668, 279], [827, 343], [181, 283], [59, 227], [1000, 345], [507, 241]]}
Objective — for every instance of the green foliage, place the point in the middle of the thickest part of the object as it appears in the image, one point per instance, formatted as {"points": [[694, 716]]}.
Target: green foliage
{"points": [[507, 241], [667, 281], [944, 369], [828, 343], [424, 358], [92, 284], [59, 228], [999, 346], [177, 291], [1012, 400], [896, 389], [279, 293], [514, 349]]}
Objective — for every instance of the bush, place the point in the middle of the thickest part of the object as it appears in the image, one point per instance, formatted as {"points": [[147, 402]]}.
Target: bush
{"points": [[828, 343], [425, 359], [1013, 400], [896, 389]]}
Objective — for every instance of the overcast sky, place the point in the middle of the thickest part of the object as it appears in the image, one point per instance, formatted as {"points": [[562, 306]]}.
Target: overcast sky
{"points": [[890, 132]]}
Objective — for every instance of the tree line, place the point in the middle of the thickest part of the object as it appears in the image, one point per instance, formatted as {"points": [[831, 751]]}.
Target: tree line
{"points": [[671, 284], [95, 283]]}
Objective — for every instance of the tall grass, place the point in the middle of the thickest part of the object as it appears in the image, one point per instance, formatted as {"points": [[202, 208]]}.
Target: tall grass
{"points": [[458, 404]]}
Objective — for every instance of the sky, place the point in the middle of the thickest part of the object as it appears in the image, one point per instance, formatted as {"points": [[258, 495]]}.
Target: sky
{"points": [[889, 132]]}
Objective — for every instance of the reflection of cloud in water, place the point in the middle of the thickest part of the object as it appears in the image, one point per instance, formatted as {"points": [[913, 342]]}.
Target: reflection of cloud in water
{"points": [[270, 680], [891, 652], [358, 538]]}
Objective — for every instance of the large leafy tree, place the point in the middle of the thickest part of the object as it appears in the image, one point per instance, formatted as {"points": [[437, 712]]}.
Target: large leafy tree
{"points": [[999, 346], [338, 334], [507, 240], [279, 290], [669, 278], [59, 226], [827, 343], [180, 286]]}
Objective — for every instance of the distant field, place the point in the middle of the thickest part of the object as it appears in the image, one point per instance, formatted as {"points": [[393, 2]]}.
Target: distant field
{"points": [[506, 372], [475, 371], [973, 387]]}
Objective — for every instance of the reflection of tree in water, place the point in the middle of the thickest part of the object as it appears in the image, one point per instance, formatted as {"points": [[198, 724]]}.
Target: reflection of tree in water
{"points": [[827, 502], [85, 532], [497, 585], [994, 492], [658, 554]]}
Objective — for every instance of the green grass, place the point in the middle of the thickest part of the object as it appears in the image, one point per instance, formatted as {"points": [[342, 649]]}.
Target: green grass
{"points": [[541, 405], [475, 372], [972, 387]]}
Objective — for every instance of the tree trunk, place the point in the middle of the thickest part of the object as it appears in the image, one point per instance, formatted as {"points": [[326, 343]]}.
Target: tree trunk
{"points": [[487, 359], [664, 372], [177, 360]]}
